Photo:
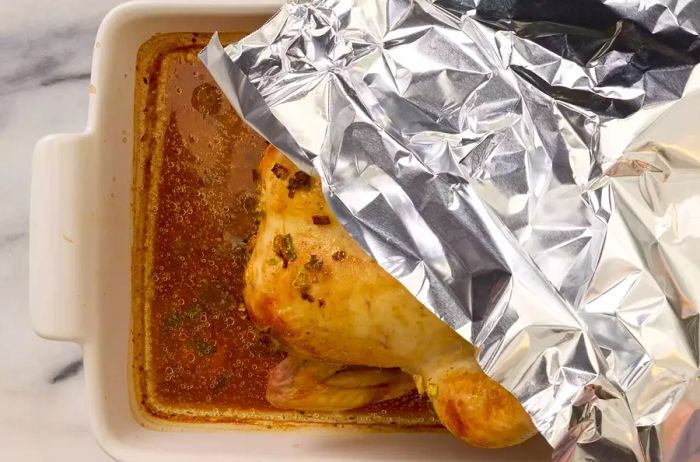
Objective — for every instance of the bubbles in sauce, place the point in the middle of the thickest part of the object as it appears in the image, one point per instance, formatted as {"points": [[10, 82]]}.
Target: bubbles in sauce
{"points": [[207, 99], [203, 356]]}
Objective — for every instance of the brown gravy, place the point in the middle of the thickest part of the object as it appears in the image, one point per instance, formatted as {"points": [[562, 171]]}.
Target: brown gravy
{"points": [[196, 355]]}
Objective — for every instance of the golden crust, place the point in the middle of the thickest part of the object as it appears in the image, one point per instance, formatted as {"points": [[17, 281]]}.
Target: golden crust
{"points": [[323, 297]]}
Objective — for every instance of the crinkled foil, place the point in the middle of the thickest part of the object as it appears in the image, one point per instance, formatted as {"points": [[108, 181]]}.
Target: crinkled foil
{"points": [[530, 171]]}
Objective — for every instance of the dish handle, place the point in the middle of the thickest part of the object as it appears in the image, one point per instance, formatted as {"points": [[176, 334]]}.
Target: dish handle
{"points": [[59, 203]]}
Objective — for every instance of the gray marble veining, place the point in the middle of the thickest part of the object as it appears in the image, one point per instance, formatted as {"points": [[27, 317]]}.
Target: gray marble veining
{"points": [[45, 54], [45, 60]]}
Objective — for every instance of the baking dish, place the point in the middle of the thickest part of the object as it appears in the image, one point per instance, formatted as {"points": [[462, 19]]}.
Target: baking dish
{"points": [[80, 268]]}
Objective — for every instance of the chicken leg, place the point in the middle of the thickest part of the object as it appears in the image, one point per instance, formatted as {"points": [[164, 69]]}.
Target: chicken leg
{"points": [[317, 292]]}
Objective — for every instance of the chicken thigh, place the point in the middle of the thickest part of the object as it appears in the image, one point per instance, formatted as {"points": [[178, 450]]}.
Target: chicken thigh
{"points": [[349, 326]]}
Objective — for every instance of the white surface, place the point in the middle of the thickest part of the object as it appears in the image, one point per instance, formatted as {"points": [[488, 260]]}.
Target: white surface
{"points": [[45, 52]]}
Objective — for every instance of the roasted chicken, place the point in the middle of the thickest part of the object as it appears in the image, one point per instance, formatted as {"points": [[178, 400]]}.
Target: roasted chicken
{"points": [[351, 328]]}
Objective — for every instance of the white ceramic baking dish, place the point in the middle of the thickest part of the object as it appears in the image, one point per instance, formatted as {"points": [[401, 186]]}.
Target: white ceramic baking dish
{"points": [[80, 268]]}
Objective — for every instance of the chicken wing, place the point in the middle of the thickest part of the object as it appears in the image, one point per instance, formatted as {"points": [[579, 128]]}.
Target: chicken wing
{"points": [[312, 385], [317, 292]]}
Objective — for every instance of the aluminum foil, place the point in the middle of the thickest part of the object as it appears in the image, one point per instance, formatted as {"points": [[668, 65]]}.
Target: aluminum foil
{"points": [[530, 171]]}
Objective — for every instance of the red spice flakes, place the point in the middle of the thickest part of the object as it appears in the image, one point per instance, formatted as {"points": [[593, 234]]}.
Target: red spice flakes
{"points": [[307, 296], [298, 181], [280, 171], [321, 219]]}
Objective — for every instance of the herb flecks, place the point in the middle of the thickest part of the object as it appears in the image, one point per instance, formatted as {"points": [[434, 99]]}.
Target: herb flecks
{"points": [[321, 303], [203, 348], [194, 311], [315, 264], [339, 255], [179, 318], [221, 382], [321, 220], [283, 246], [280, 171], [298, 181], [301, 282]]}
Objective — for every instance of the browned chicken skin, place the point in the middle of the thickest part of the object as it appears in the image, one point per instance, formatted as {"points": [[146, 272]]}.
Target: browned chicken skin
{"points": [[314, 288]]}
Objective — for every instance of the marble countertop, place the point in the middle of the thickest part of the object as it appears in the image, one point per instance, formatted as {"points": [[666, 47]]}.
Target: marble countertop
{"points": [[45, 53]]}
